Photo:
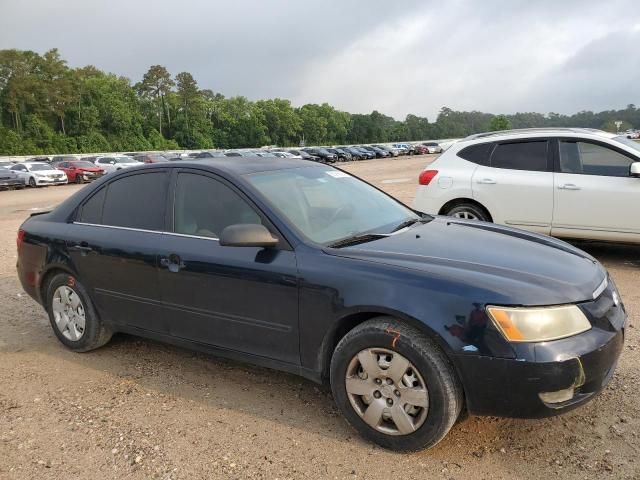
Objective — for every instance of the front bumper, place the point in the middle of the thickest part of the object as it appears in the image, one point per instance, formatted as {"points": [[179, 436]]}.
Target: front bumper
{"points": [[50, 181], [506, 387], [12, 183]]}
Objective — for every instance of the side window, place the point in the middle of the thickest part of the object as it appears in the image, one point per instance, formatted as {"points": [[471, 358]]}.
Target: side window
{"points": [[92, 209], [478, 154], [530, 156], [592, 159], [205, 207], [124, 207]]}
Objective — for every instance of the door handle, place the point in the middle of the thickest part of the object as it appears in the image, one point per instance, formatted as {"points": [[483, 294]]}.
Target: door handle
{"points": [[83, 247], [568, 186], [487, 181], [172, 262]]}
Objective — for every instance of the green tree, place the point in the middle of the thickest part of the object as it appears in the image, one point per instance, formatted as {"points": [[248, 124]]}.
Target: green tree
{"points": [[499, 122], [155, 85]]}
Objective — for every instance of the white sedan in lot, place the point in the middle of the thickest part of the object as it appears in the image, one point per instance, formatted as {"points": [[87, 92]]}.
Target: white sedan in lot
{"points": [[116, 162], [570, 182], [36, 174]]}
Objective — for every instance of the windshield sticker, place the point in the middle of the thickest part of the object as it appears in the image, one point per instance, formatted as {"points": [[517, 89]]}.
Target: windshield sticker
{"points": [[337, 174]]}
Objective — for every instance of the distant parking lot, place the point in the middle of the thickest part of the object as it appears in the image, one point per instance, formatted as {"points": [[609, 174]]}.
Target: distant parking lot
{"points": [[139, 409]]}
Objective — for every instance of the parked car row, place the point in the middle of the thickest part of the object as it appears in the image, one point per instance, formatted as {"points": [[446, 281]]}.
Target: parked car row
{"points": [[61, 169]]}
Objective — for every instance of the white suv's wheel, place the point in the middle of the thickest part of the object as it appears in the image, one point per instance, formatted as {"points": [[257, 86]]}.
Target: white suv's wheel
{"points": [[468, 211]]}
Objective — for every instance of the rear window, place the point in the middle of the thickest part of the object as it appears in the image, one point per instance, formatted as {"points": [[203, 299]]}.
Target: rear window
{"points": [[122, 210], [477, 153], [92, 208], [530, 156]]}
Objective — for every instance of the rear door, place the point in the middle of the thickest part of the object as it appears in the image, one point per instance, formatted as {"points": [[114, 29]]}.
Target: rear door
{"points": [[516, 185], [595, 197], [114, 244]]}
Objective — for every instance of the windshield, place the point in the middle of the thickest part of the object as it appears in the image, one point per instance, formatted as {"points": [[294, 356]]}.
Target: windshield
{"points": [[124, 160], [39, 166], [628, 142], [327, 205], [82, 164]]}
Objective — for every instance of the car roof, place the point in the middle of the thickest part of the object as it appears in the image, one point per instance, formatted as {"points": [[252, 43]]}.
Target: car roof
{"points": [[246, 165], [524, 132]]}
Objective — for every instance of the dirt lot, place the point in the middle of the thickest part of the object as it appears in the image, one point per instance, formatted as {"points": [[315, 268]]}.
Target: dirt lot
{"points": [[140, 409]]}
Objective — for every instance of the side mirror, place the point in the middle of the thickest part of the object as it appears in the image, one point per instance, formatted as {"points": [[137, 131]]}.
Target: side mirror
{"points": [[112, 162], [247, 235], [634, 170]]}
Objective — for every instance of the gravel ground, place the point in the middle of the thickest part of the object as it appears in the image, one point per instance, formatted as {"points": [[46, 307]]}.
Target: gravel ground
{"points": [[141, 409]]}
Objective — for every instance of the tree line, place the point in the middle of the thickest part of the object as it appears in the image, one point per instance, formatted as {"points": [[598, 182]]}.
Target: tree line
{"points": [[46, 107]]}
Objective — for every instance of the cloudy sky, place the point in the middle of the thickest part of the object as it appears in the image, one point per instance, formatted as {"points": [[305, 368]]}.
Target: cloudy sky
{"points": [[399, 57]]}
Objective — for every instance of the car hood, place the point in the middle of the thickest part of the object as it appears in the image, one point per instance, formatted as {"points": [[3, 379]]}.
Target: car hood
{"points": [[89, 169], [511, 266]]}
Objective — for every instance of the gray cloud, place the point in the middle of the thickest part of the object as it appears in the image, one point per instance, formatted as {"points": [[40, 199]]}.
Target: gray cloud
{"points": [[397, 57]]}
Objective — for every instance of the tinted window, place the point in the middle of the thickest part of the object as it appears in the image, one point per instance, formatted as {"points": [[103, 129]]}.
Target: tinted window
{"points": [[591, 159], [92, 208], [124, 207], [205, 207], [477, 153], [521, 156]]}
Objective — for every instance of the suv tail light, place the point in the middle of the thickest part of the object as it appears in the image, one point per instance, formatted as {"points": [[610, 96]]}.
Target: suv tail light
{"points": [[426, 177], [20, 239]]}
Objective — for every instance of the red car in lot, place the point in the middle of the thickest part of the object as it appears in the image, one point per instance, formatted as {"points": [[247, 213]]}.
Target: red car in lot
{"points": [[80, 171]]}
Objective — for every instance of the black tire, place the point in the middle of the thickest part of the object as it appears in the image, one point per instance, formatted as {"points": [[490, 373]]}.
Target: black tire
{"points": [[95, 334], [470, 210], [32, 182], [79, 179], [444, 390]]}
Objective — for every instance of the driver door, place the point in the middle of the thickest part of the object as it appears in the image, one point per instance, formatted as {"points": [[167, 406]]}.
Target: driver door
{"points": [[243, 299], [594, 194]]}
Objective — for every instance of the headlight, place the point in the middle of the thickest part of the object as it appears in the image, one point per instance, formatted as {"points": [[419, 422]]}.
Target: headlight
{"points": [[538, 324]]}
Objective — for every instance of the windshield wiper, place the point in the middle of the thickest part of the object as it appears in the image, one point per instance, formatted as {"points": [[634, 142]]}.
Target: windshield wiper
{"points": [[356, 239], [408, 223]]}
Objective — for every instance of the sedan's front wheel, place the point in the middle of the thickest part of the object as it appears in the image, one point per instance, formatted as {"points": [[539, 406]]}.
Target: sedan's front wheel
{"points": [[395, 385]]}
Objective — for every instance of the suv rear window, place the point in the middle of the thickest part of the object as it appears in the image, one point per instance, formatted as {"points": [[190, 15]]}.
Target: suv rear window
{"points": [[477, 153], [531, 155]]}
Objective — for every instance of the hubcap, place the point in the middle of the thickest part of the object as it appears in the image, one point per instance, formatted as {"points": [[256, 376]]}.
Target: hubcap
{"points": [[387, 391], [68, 313], [465, 214]]}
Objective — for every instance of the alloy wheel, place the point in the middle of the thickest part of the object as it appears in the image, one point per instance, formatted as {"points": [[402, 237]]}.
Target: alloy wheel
{"points": [[68, 313], [387, 391], [465, 214]]}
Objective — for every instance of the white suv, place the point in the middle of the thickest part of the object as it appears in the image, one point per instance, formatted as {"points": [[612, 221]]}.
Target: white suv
{"points": [[566, 182]]}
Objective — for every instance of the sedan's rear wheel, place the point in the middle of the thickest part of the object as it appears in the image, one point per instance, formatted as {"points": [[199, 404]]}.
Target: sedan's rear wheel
{"points": [[395, 385], [468, 211], [72, 315]]}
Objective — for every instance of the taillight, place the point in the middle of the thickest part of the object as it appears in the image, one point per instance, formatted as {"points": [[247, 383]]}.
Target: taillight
{"points": [[20, 239], [426, 177]]}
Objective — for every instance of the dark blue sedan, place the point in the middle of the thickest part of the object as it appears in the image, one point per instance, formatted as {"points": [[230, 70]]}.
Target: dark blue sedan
{"points": [[302, 267]]}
